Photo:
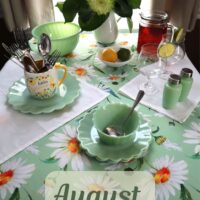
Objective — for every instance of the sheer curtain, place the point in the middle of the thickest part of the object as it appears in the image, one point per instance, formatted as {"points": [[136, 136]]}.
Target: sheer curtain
{"points": [[26, 14]]}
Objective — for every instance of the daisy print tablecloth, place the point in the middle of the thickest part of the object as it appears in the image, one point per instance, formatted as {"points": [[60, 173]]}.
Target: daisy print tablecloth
{"points": [[173, 158]]}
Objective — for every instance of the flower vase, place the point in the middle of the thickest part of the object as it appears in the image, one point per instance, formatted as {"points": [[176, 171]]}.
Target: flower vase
{"points": [[107, 33]]}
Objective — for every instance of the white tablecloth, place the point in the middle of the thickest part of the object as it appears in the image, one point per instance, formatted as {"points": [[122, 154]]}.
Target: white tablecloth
{"points": [[18, 131]]}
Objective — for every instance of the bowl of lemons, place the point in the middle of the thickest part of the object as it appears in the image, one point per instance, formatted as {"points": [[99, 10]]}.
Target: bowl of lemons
{"points": [[115, 56]]}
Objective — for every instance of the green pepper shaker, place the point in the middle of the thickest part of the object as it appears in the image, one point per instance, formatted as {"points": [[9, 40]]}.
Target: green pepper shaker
{"points": [[186, 81], [172, 91]]}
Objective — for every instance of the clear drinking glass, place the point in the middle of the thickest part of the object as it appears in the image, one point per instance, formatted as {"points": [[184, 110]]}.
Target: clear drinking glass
{"points": [[147, 56], [178, 53]]}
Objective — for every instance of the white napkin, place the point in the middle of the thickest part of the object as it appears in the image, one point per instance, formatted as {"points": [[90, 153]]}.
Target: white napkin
{"points": [[182, 111], [18, 131]]}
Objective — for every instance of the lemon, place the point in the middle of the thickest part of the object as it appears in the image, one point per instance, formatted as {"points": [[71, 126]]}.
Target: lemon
{"points": [[178, 35], [123, 54], [166, 50], [109, 55]]}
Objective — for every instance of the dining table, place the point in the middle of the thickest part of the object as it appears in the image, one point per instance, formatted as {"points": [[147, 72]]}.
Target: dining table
{"points": [[173, 158]]}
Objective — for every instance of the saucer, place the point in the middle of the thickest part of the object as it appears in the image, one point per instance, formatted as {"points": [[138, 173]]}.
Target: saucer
{"points": [[20, 99], [89, 140], [116, 64]]}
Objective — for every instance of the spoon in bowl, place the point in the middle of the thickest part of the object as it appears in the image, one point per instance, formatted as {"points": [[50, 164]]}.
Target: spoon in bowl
{"points": [[118, 130], [44, 47]]}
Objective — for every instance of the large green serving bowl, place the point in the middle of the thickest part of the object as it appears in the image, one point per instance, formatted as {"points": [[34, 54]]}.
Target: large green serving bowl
{"points": [[64, 36], [113, 115]]}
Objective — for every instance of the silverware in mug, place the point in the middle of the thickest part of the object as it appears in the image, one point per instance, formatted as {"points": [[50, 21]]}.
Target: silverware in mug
{"points": [[44, 47], [29, 64]]}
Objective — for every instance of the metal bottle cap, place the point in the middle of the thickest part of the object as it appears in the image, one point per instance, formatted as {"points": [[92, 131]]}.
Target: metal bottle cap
{"points": [[174, 79], [186, 72]]}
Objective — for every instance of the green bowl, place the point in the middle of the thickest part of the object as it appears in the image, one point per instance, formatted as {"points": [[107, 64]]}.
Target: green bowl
{"points": [[114, 114], [64, 36]]}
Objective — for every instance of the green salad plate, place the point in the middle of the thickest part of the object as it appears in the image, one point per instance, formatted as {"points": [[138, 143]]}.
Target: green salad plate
{"points": [[20, 99], [90, 142]]}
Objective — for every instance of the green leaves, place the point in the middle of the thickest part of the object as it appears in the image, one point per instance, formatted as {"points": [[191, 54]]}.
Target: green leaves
{"points": [[122, 8], [60, 6], [90, 20], [196, 156], [185, 194], [49, 160], [15, 195], [70, 9], [134, 3], [130, 24]]}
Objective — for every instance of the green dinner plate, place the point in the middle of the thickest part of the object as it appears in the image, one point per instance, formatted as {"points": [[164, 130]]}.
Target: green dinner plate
{"points": [[89, 139], [20, 99]]}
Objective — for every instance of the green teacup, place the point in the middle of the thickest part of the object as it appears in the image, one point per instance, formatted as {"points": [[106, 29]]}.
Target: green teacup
{"points": [[113, 115]]}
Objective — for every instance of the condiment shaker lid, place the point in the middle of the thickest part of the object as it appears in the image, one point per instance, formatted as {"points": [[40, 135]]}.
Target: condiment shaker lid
{"points": [[186, 72], [174, 79]]}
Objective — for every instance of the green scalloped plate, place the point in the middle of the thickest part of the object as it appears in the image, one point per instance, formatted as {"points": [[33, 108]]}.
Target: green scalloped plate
{"points": [[20, 99], [89, 140]]}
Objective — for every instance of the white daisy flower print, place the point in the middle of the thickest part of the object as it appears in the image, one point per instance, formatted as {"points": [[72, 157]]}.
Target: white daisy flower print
{"points": [[193, 137], [98, 183], [49, 185], [113, 77], [168, 176], [13, 174], [171, 145], [116, 166], [157, 114], [33, 149], [146, 117], [67, 149], [84, 72], [41, 190], [162, 140]]}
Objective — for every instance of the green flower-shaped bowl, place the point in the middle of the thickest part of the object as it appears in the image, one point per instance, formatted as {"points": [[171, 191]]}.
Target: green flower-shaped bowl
{"points": [[91, 143], [64, 36], [113, 115]]}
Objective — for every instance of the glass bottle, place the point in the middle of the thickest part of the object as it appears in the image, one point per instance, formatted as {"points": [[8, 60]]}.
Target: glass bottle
{"points": [[186, 81], [172, 91], [153, 26]]}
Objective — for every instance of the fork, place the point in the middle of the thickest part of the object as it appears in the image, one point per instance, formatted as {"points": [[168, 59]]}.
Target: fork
{"points": [[17, 51], [52, 59], [14, 50], [21, 39]]}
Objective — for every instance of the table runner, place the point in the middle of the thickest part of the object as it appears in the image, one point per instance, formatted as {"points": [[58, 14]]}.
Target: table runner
{"points": [[20, 130]]}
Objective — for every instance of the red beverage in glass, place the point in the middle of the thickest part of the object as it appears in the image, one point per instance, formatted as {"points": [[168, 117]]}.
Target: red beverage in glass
{"points": [[153, 26]]}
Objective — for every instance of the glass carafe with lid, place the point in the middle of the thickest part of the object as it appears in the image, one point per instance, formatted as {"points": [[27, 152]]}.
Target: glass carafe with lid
{"points": [[153, 26]]}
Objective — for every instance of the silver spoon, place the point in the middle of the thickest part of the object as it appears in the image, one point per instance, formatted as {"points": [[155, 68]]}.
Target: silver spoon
{"points": [[29, 65], [44, 47], [118, 130]]}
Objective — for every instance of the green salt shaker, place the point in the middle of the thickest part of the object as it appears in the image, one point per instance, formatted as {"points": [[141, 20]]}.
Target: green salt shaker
{"points": [[186, 81], [172, 91]]}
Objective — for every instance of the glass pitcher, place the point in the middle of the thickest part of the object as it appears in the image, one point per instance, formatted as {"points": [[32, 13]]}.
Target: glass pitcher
{"points": [[152, 28]]}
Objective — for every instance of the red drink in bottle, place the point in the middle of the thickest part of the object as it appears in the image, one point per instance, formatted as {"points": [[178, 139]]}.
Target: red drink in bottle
{"points": [[153, 26]]}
